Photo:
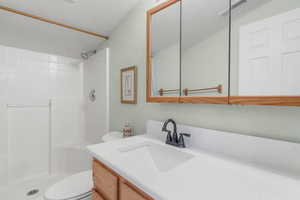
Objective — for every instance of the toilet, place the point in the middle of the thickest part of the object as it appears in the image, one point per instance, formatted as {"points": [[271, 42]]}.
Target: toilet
{"points": [[75, 187], [78, 186]]}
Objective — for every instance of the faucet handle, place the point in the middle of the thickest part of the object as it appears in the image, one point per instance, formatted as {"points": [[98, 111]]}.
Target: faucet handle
{"points": [[181, 142], [169, 137]]}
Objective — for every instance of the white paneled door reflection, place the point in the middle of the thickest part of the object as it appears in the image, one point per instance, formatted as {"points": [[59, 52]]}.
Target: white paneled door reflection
{"points": [[28, 142], [270, 56]]}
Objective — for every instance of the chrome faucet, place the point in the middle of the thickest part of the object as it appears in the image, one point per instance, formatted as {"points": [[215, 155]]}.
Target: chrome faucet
{"points": [[172, 139]]}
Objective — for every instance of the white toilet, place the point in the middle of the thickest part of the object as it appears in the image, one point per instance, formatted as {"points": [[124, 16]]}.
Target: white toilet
{"points": [[75, 187], [78, 186]]}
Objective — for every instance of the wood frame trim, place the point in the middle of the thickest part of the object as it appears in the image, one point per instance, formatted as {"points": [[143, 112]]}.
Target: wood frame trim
{"points": [[18, 12], [170, 99], [204, 100], [149, 97], [233, 100], [162, 6], [134, 69], [265, 100], [121, 180]]}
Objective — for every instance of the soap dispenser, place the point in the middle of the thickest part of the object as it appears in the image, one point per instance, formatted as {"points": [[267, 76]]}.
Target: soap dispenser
{"points": [[127, 130]]}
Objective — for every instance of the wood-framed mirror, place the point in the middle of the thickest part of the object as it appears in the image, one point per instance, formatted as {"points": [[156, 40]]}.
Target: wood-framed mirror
{"points": [[265, 52], [204, 52], [246, 53], [163, 52], [178, 66]]}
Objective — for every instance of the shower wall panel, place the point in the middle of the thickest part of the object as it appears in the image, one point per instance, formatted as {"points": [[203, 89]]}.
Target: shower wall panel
{"points": [[3, 144], [29, 133]]}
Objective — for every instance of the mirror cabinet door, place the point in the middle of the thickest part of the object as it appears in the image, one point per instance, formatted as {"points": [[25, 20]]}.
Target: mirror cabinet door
{"points": [[164, 52], [205, 51], [265, 52]]}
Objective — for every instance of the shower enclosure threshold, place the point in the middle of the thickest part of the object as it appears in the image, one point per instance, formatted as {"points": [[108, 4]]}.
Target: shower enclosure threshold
{"points": [[29, 190]]}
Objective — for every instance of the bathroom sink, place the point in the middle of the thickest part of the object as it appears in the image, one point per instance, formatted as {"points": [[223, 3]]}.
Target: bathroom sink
{"points": [[163, 157]]}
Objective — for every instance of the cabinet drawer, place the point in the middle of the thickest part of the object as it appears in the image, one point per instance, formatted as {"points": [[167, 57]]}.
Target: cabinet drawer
{"points": [[105, 181], [96, 196], [128, 193]]}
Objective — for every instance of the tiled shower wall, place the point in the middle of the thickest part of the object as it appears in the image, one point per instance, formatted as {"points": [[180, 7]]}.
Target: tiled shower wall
{"points": [[41, 109]]}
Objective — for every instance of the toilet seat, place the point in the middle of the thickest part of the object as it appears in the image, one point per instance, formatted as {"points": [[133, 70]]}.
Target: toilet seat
{"points": [[75, 187]]}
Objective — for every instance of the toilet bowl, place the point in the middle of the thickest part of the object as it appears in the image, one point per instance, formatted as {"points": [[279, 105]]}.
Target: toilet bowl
{"points": [[78, 186], [75, 187]]}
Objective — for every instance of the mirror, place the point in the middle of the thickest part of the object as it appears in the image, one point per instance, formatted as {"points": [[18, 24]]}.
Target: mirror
{"points": [[205, 52], [265, 48], [205, 48], [164, 61]]}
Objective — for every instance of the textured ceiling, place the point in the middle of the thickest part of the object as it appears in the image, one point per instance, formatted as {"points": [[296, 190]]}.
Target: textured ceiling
{"points": [[100, 16]]}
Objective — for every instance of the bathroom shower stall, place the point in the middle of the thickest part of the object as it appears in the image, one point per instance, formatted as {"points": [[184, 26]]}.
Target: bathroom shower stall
{"points": [[44, 110]]}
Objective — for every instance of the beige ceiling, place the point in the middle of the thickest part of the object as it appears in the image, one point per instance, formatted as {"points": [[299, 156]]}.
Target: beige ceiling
{"points": [[100, 16]]}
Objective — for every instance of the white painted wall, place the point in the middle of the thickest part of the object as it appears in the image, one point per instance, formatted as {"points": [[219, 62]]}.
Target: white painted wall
{"points": [[26, 132], [164, 63], [205, 65], [96, 76], [128, 47]]}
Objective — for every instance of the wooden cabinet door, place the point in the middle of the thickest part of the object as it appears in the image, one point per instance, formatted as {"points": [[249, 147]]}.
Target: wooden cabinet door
{"points": [[129, 193], [108, 185], [96, 195], [105, 181]]}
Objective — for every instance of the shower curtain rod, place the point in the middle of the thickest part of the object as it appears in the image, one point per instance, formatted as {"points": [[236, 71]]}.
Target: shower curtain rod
{"points": [[51, 22]]}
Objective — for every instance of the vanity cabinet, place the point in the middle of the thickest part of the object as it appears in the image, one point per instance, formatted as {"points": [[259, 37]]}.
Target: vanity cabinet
{"points": [[108, 185], [129, 192], [105, 181], [96, 195]]}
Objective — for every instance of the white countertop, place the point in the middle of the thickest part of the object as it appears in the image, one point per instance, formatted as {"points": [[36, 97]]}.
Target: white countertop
{"points": [[203, 177]]}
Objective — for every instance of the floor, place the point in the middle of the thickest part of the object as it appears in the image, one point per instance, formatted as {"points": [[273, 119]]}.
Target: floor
{"points": [[19, 191]]}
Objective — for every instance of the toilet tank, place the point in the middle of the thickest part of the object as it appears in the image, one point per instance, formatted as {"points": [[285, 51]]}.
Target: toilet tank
{"points": [[70, 159]]}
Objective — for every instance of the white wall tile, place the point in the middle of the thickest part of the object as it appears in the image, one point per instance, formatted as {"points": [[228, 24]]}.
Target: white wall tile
{"points": [[2, 57], [28, 131], [33, 78], [3, 84], [95, 78], [3, 171], [3, 130], [67, 122], [3, 145]]}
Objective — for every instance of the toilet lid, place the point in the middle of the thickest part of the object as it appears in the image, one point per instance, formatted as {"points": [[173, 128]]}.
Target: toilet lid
{"points": [[72, 187]]}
